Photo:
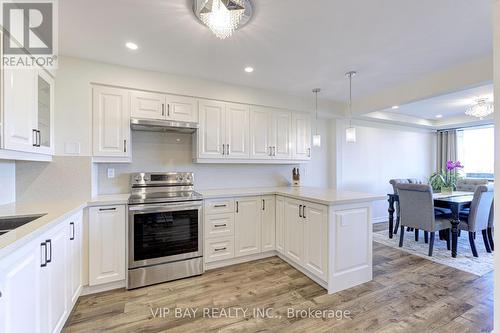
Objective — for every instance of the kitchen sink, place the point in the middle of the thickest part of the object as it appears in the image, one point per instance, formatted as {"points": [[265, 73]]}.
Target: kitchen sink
{"points": [[12, 223]]}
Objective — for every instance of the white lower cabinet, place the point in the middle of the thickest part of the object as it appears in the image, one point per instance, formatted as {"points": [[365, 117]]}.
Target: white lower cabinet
{"points": [[247, 226], [306, 235], [219, 249], [75, 230], [39, 281], [268, 228], [280, 224], [20, 291], [107, 226]]}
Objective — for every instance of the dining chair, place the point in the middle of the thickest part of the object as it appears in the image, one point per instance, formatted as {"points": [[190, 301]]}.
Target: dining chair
{"points": [[416, 206], [490, 225], [478, 217], [394, 183], [470, 184]]}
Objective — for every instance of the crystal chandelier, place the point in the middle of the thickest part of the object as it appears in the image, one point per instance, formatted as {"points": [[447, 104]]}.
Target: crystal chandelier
{"points": [[223, 17], [482, 108]]}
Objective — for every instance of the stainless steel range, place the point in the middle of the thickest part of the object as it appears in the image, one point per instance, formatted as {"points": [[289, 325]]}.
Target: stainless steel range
{"points": [[165, 240]]}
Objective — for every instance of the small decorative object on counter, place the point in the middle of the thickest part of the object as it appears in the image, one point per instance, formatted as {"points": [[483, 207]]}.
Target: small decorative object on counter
{"points": [[295, 177]]}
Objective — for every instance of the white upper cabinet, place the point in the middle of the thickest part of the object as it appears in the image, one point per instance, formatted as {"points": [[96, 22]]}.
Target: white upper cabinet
{"points": [[211, 131], [44, 104], [223, 132], [147, 105], [181, 108], [236, 131], [111, 122], [19, 110], [281, 136], [28, 111], [301, 127], [260, 132]]}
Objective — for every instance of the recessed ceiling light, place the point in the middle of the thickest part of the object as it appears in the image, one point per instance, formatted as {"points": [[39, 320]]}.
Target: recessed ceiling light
{"points": [[249, 69], [439, 116], [132, 46], [395, 107]]}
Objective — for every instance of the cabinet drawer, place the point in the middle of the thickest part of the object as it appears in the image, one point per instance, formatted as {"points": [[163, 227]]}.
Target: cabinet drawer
{"points": [[219, 225], [219, 249], [219, 206]]}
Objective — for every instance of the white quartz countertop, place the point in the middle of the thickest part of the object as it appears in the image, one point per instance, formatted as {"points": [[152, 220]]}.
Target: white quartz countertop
{"points": [[54, 212], [323, 196]]}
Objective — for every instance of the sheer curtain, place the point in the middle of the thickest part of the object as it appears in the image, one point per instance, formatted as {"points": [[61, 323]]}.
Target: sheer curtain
{"points": [[446, 148]]}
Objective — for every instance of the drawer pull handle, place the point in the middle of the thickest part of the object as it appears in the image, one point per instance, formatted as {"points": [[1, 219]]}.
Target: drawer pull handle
{"points": [[104, 209], [219, 206], [220, 249], [220, 225]]}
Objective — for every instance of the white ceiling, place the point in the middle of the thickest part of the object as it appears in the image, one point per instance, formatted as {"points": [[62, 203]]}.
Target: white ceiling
{"points": [[293, 45], [449, 105]]}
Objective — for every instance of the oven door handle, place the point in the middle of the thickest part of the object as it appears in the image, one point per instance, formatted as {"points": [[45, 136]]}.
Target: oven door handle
{"points": [[165, 207]]}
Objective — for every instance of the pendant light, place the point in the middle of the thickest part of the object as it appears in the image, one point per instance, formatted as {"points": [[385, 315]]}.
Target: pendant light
{"points": [[350, 132], [316, 136]]}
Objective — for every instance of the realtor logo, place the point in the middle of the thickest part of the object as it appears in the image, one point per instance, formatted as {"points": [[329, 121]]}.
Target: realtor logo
{"points": [[29, 33]]}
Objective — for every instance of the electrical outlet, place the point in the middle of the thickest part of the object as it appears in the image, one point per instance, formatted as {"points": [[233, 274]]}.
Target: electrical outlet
{"points": [[111, 173]]}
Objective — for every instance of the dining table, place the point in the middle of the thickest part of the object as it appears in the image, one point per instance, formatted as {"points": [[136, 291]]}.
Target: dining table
{"points": [[455, 201]]}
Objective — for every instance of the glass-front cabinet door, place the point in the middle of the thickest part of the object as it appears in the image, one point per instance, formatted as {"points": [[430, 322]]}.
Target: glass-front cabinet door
{"points": [[44, 103]]}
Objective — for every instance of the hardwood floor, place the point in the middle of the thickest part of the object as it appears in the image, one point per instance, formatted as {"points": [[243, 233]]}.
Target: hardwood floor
{"points": [[407, 294]]}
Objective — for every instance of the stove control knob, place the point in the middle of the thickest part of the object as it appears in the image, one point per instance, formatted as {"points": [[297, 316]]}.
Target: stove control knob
{"points": [[138, 178], [146, 178]]}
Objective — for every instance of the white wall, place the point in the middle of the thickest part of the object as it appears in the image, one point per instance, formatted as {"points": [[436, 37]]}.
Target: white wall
{"points": [[7, 182], [73, 95], [382, 152], [153, 151]]}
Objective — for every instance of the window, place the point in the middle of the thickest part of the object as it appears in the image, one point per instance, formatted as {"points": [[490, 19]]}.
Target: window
{"points": [[476, 152]]}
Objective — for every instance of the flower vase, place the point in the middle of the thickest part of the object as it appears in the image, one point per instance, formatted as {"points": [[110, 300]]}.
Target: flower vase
{"points": [[446, 190]]}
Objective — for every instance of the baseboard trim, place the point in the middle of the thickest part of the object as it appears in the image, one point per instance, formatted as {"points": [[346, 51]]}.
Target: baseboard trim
{"points": [[380, 219], [239, 260], [88, 290]]}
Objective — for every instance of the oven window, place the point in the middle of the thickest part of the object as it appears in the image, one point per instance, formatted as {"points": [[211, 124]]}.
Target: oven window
{"points": [[165, 234]]}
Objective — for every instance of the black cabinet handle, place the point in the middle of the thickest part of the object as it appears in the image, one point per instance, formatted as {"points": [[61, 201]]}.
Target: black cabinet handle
{"points": [[263, 204], [162, 109], [39, 138], [220, 249], [237, 207], [219, 206], [34, 137], [72, 227], [49, 247], [125, 145], [304, 211], [43, 254], [300, 210], [220, 225], [104, 209]]}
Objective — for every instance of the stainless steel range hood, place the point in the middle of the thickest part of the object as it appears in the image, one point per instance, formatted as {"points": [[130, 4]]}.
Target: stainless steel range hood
{"points": [[156, 125]]}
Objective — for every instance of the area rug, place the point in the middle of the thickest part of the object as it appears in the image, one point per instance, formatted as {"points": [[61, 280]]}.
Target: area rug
{"points": [[464, 260]]}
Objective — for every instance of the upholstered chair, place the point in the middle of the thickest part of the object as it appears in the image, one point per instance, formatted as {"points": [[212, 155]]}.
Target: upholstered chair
{"points": [[490, 225], [416, 206], [479, 216], [394, 183], [470, 184]]}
